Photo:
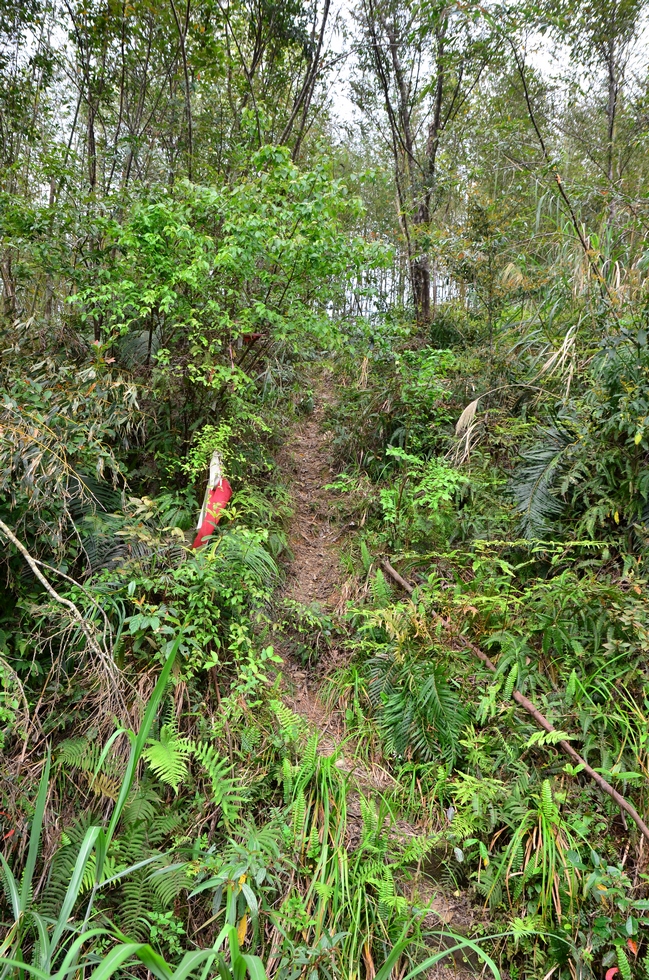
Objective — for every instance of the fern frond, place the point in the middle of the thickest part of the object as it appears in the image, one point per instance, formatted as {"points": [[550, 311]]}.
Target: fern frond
{"points": [[85, 754], [167, 756], [299, 815], [141, 807], [162, 827], [136, 901], [228, 791], [309, 761], [250, 738], [287, 779], [61, 867], [534, 485], [418, 712], [370, 819], [292, 726], [168, 883], [313, 846], [380, 589], [103, 785], [241, 547], [78, 753]]}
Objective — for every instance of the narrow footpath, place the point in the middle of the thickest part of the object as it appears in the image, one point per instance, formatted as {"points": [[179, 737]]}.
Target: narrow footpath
{"points": [[305, 460], [315, 576]]}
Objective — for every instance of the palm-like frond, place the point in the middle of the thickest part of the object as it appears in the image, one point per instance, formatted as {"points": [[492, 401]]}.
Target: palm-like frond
{"points": [[241, 547], [534, 484], [136, 348], [419, 714], [88, 493]]}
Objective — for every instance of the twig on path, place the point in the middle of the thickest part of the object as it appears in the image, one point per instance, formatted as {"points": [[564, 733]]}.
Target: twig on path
{"points": [[534, 712]]}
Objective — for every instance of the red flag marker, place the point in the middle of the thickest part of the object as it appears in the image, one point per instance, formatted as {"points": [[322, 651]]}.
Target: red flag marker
{"points": [[217, 494]]}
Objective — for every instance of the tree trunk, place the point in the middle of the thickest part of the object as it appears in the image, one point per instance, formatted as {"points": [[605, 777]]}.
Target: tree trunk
{"points": [[421, 288], [92, 149], [9, 286]]}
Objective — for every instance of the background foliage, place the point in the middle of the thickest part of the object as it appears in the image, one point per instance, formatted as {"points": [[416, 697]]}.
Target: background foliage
{"points": [[194, 236]]}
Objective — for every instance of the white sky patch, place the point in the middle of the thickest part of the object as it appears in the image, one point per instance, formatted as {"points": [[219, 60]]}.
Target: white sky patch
{"points": [[542, 53]]}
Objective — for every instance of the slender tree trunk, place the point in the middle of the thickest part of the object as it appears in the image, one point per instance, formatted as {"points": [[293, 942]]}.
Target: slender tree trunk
{"points": [[9, 286], [92, 148], [611, 121], [421, 288], [182, 35], [611, 110], [303, 99], [418, 259]]}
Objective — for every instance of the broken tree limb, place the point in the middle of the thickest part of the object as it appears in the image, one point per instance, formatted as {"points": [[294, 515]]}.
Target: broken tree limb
{"points": [[84, 626], [534, 712], [393, 573]]}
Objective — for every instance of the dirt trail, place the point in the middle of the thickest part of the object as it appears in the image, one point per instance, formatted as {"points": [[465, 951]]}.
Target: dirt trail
{"points": [[305, 459], [314, 576]]}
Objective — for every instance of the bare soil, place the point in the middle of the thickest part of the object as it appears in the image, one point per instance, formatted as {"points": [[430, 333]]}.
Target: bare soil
{"points": [[305, 459]]}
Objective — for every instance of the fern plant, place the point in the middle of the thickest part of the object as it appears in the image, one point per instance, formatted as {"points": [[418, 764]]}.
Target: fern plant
{"points": [[418, 713], [167, 756], [534, 485], [228, 791]]}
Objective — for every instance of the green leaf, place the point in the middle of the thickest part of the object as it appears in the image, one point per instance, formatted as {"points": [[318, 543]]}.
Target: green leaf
{"points": [[113, 960], [76, 881], [138, 743], [12, 888], [35, 835]]}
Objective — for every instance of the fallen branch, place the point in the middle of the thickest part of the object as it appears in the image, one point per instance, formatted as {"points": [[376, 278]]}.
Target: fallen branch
{"points": [[393, 573], [73, 609], [534, 712]]}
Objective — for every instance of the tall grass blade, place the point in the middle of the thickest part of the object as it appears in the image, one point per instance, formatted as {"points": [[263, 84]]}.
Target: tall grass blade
{"points": [[76, 881], [11, 886], [139, 741], [35, 836], [113, 960]]}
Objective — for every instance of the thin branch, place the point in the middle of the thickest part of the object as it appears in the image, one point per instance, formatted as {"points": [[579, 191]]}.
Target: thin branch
{"points": [[603, 285], [182, 35], [247, 72], [305, 95], [69, 605]]}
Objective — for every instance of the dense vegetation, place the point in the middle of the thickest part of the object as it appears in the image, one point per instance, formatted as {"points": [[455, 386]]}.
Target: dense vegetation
{"points": [[212, 212]]}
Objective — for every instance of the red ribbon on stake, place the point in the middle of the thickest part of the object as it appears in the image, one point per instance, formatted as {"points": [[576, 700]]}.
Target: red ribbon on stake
{"points": [[217, 494]]}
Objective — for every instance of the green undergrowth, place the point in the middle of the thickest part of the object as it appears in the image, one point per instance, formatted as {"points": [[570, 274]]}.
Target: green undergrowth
{"points": [[191, 822], [188, 816], [520, 529]]}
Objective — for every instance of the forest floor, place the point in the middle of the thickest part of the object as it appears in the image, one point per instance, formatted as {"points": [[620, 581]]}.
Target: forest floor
{"points": [[315, 577]]}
